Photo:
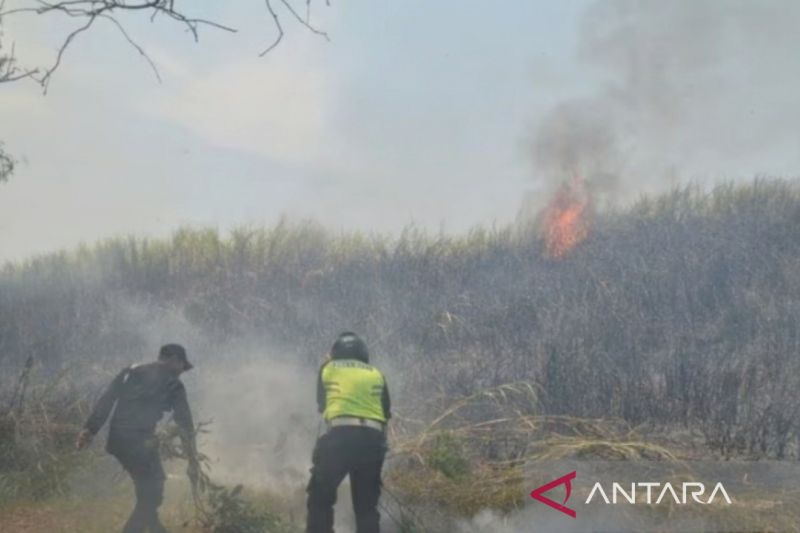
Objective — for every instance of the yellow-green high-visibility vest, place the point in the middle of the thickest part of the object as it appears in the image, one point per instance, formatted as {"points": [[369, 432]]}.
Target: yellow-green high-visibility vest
{"points": [[352, 388]]}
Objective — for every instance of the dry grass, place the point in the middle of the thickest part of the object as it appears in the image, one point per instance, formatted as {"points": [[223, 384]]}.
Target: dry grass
{"points": [[457, 468], [678, 312], [480, 452]]}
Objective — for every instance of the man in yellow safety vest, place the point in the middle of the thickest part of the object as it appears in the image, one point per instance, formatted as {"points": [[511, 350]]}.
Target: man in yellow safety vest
{"points": [[354, 400]]}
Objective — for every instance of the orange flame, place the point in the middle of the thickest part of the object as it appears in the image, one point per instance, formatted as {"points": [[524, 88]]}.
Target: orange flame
{"points": [[566, 219]]}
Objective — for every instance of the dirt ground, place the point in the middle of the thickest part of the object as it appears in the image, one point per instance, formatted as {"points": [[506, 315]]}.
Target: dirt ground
{"points": [[75, 516]]}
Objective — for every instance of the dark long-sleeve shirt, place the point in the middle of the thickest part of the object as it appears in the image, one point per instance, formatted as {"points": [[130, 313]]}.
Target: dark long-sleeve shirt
{"points": [[142, 394]]}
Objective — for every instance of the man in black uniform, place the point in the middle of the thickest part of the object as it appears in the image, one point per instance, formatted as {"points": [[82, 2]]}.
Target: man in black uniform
{"points": [[142, 393], [353, 397]]}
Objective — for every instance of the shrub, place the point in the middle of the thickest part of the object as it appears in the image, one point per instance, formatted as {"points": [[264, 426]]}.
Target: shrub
{"points": [[229, 512]]}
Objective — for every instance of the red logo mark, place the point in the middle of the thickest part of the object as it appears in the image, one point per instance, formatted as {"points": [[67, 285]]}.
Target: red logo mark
{"points": [[538, 494]]}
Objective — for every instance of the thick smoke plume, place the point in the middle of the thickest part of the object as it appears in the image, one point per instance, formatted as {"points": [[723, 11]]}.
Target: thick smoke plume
{"points": [[692, 89]]}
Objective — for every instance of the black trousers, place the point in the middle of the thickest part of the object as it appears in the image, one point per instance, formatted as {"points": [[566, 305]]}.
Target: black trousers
{"points": [[140, 459], [346, 450]]}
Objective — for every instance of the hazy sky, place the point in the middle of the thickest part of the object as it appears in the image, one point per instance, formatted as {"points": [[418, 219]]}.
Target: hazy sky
{"points": [[416, 112]]}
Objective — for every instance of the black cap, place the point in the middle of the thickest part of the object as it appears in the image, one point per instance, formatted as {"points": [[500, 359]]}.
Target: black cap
{"points": [[350, 346], [175, 350]]}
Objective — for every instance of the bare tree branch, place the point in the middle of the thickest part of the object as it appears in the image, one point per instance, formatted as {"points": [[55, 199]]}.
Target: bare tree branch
{"points": [[45, 80], [277, 25], [91, 10], [7, 78], [9, 71], [304, 22], [135, 45]]}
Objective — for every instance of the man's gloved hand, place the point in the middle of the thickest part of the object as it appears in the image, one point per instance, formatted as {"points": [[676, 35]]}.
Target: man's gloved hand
{"points": [[84, 439]]}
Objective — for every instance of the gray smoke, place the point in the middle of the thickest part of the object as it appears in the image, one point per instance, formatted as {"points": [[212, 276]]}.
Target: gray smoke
{"points": [[257, 397], [693, 89]]}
